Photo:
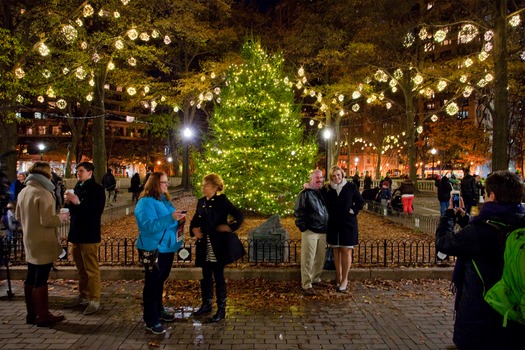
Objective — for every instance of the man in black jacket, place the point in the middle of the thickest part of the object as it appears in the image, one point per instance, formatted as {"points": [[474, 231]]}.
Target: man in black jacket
{"points": [[86, 206], [477, 325], [468, 190], [311, 217]]}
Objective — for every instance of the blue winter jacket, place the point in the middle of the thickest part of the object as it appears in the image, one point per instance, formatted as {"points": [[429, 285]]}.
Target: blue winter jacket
{"points": [[153, 217]]}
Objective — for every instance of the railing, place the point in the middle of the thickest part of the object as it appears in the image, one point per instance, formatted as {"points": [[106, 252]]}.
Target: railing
{"points": [[369, 253], [422, 185]]}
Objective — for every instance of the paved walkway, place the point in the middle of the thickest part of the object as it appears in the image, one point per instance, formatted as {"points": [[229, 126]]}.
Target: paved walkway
{"points": [[374, 315]]}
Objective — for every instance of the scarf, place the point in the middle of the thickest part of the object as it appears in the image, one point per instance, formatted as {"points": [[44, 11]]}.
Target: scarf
{"points": [[42, 180], [338, 187]]}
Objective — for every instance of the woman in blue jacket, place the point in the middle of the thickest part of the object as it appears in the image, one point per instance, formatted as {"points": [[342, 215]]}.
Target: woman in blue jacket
{"points": [[158, 223]]}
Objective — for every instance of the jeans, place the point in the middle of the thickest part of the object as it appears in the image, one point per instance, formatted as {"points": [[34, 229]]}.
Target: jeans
{"points": [[443, 206], [210, 271], [154, 288]]}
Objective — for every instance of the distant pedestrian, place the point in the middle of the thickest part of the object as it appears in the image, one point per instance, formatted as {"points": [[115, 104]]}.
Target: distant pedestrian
{"points": [[135, 187], [444, 187], [468, 190], [311, 217], [86, 206], [355, 180], [35, 210], [210, 226], [407, 191], [18, 185], [158, 223], [367, 182], [385, 194], [389, 179], [110, 185]]}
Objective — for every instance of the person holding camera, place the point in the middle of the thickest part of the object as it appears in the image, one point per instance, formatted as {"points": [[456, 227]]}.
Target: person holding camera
{"points": [[35, 210], [479, 247]]}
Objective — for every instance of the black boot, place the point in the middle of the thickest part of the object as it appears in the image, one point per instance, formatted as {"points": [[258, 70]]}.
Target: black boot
{"points": [[221, 311], [204, 309], [31, 313]]}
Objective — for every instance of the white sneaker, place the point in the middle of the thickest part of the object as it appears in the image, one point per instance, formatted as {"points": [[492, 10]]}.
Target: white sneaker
{"points": [[76, 302], [92, 307]]}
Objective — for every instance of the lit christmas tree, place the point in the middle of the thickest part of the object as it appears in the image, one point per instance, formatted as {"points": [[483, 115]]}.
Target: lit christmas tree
{"points": [[257, 143]]}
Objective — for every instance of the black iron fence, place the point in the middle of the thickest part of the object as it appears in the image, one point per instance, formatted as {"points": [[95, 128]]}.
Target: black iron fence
{"points": [[369, 253]]}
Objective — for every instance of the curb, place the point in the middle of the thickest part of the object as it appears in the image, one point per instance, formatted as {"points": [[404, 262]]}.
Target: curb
{"points": [[272, 274]]}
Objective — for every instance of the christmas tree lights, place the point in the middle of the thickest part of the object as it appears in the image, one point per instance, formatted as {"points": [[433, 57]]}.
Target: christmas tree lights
{"points": [[257, 143]]}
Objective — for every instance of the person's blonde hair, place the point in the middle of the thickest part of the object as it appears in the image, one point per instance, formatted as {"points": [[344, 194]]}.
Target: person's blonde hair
{"points": [[333, 169], [214, 179], [152, 187], [42, 168]]}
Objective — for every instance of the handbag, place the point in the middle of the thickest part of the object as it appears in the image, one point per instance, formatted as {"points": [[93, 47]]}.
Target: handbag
{"points": [[329, 263], [149, 258]]}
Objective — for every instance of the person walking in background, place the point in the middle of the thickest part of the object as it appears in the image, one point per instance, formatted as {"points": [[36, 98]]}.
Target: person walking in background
{"points": [[444, 187], [110, 185], [311, 217], [367, 182], [355, 179], [343, 202], [385, 194], [468, 190], [208, 226], [135, 188], [35, 210], [157, 222], [477, 325], [18, 185], [11, 227], [407, 191], [86, 206]]}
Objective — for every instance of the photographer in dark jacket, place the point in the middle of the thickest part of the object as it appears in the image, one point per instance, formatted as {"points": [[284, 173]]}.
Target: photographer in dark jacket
{"points": [[86, 206], [311, 217], [477, 325]]}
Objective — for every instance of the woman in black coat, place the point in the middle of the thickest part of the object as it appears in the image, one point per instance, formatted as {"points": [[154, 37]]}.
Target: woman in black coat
{"points": [[343, 202], [217, 245]]}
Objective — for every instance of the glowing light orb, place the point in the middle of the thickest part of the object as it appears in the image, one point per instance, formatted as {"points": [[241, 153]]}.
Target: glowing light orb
{"points": [[88, 11], [440, 35], [131, 91], [452, 108], [133, 34], [70, 33], [61, 104], [43, 49]]}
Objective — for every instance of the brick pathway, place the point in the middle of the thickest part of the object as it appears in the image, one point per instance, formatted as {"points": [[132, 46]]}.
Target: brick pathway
{"points": [[375, 316]]}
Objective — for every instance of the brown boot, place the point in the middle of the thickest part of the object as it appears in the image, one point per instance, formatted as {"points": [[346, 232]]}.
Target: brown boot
{"points": [[31, 314], [44, 318]]}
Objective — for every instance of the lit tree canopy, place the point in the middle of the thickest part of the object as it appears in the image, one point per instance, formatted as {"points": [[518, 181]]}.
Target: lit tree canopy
{"points": [[256, 139]]}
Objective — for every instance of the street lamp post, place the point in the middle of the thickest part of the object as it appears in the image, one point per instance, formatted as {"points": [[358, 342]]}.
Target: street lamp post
{"points": [[433, 152], [41, 147], [327, 134], [187, 134]]}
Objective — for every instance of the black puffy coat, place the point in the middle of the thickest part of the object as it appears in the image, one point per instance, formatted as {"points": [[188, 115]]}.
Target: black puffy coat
{"points": [[477, 325], [342, 223], [208, 215], [310, 211], [443, 189]]}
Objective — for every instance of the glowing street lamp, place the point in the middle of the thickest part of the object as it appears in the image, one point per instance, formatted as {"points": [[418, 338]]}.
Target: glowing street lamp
{"points": [[187, 135], [327, 135], [433, 152], [41, 147]]}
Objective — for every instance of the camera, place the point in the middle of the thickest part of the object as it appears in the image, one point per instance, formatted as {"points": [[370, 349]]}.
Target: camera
{"points": [[455, 199]]}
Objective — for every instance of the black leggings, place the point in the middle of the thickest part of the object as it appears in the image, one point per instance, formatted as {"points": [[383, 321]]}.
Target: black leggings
{"points": [[37, 275]]}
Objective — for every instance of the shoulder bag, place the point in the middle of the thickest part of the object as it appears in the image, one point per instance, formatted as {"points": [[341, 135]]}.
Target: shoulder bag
{"points": [[149, 258]]}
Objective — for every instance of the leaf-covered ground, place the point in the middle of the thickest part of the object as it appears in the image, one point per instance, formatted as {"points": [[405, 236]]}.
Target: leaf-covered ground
{"points": [[371, 226]]}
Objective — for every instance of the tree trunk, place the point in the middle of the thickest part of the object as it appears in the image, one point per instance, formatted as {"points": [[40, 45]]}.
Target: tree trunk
{"points": [[500, 154], [8, 140], [99, 128]]}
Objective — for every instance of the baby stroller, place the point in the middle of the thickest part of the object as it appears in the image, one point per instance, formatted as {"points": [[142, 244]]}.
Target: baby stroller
{"points": [[395, 202]]}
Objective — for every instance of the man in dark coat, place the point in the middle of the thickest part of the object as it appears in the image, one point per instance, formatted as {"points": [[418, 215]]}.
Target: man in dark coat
{"points": [[110, 185], [86, 206], [311, 217], [468, 190], [477, 325]]}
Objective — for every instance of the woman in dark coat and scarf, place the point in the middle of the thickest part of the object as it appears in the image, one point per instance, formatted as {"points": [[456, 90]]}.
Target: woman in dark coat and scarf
{"points": [[217, 245], [343, 202]]}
